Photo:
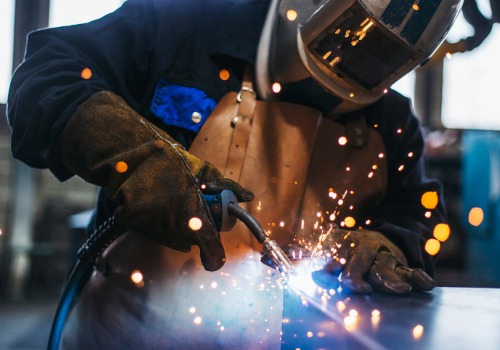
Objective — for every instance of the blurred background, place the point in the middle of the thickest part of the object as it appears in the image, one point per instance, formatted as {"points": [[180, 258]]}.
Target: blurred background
{"points": [[455, 95]]}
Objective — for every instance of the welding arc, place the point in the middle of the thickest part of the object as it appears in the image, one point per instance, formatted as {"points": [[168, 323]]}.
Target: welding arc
{"points": [[252, 224], [93, 247]]}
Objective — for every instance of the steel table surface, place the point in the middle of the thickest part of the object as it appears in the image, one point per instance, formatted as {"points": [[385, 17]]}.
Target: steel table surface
{"points": [[445, 318]]}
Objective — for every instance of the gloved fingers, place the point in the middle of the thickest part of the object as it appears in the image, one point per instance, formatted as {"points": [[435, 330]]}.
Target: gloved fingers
{"points": [[384, 277], [355, 271], [417, 278], [213, 182], [326, 280], [212, 253]]}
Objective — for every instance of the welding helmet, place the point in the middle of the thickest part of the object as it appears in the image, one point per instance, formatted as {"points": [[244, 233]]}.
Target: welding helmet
{"points": [[354, 50]]}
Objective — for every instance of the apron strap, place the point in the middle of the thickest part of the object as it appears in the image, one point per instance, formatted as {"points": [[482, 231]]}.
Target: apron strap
{"points": [[242, 124]]}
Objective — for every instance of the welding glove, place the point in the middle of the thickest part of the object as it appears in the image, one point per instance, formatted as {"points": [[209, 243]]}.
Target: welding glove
{"points": [[362, 261], [155, 182]]}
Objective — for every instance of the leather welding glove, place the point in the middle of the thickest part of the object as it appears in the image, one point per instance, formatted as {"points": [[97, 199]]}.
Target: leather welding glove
{"points": [[155, 182], [365, 260]]}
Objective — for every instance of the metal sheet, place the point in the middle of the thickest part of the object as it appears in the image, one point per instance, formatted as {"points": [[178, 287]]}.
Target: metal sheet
{"points": [[446, 318]]}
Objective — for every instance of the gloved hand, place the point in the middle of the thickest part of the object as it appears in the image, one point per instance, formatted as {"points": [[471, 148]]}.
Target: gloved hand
{"points": [[157, 184], [365, 260]]}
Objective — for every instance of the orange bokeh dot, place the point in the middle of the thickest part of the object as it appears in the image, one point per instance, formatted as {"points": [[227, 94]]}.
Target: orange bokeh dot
{"points": [[432, 246], [441, 232], [429, 200], [476, 216], [121, 167], [224, 74], [86, 73]]}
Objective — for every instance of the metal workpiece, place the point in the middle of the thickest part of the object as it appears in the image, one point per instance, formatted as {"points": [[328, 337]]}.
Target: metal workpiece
{"points": [[444, 318]]}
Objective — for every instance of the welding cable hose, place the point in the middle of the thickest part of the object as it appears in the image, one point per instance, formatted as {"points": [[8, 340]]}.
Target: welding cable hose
{"points": [[106, 233], [83, 268]]}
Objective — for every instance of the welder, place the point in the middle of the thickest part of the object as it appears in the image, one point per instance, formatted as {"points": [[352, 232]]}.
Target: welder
{"points": [[285, 103]]}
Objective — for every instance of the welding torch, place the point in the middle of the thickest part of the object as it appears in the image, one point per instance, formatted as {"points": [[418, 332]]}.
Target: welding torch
{"points": [[224, 209]]}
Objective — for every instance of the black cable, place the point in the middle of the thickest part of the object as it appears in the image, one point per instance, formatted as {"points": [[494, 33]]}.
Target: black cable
{"points": [[252, 224], [93, 247]]}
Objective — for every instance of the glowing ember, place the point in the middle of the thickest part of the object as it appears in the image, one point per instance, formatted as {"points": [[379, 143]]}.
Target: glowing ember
{"points": [[429, 200], [342, 261], [224, 74], [418, 331], [340, 306], [370, 174], [410, 154], [399, 131], [276, 88], [441, 232], [432, 246], [381, 155], [350, 221], [121, 167], [195, 223], [476, 216], [342, 141], [415, 7], [136, 277], [291, 15], [203, 186], [86, 73]]}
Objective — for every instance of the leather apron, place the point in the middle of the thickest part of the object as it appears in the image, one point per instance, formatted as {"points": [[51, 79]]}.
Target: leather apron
{"points": [[304, 170]]}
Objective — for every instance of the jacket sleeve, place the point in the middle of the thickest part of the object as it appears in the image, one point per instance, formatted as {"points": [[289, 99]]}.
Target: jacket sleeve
{"points": [[402, 216], [48, 86]]}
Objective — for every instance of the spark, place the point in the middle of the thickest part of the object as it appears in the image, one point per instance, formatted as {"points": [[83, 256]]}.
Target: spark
{"points": [[310, 334], [348, 168], [195, 223], [401, 167], [441, 232], [213, 285], [192, 310], [418, 331], [197, 320], [399, 131], [291, 15], [448, 55], [203, 186], [415, 7], [282, 224], [476, 216], [428, 214], [370, 174], [86, 73], [410, 154], [381, 155], [137, 277], [276, 87], [342, 140], [375, 313], [224, 74], [429, 200], [121, 167], [432, 246]]}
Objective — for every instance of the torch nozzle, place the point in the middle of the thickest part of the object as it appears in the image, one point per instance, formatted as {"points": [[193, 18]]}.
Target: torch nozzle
{"points": [[271, 248]]}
